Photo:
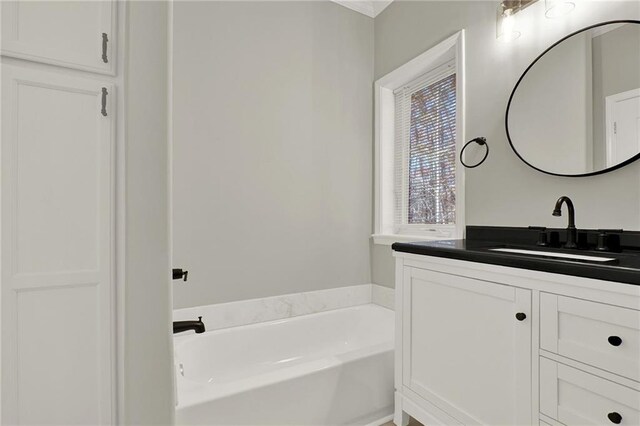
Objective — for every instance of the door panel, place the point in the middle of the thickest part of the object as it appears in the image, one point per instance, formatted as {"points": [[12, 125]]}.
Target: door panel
{"points": [[57, 249], [65, 33], [59, 320], [623, 126], [464, 349], [61, 208]]}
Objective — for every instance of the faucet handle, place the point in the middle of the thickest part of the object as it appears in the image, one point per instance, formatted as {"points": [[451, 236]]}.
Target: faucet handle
{"points": [[602, 241], [199, 319], [179, 274], [542, 239], [609, 240]]}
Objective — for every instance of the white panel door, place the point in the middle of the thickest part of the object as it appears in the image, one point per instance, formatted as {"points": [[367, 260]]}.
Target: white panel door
{"points": [[57, 249], [464, 349], [75, 34], [623, 126]]}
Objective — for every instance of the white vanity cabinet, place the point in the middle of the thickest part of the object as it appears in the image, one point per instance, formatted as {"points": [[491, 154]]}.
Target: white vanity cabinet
{"points": [[491, 345], [73, 34]]}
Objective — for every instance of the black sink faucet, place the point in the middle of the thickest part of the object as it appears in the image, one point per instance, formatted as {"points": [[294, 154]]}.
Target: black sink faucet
{"points": [[180, 326], [571, 228]]}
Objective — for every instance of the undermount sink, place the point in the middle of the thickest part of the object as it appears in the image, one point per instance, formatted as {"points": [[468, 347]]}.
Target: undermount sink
{"points": [[568, 256]]}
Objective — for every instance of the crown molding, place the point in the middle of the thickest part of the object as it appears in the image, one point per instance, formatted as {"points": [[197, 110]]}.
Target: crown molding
{"points": [[371, 8]]}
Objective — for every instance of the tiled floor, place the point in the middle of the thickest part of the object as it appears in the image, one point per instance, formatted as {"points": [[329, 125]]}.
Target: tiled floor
{"points": [[412, 422]]}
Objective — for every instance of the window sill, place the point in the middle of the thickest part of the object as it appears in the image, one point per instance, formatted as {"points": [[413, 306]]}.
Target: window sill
{"points": [[389, 239]]}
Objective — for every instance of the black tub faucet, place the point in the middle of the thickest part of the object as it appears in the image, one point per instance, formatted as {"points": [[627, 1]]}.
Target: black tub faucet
{"points": [[571, 228], [180, 326]]}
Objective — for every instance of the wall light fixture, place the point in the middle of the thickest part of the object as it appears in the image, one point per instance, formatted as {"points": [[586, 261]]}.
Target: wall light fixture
{"points": [[506, 25], [557, 8]]}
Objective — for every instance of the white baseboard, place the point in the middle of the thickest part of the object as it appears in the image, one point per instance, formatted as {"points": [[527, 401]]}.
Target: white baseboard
{"points": [[382, 421]]}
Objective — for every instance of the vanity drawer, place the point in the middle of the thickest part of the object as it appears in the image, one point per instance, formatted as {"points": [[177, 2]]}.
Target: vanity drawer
{"points": [[604, 336], [574, 397]]}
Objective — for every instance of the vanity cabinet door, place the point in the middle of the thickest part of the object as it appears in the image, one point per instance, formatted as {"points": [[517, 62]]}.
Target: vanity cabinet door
{"points": [[463, 348], [73, 34]]}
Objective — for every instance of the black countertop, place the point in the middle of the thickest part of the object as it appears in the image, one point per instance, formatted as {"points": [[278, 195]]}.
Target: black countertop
{"points": [[476, 248]]}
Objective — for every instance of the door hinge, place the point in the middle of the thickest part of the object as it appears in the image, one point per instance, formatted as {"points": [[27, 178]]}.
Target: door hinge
{"points": [[105, 39], [104, 101], [615, 127]]}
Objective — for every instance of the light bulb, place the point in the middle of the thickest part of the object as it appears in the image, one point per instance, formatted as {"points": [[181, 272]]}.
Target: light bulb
{"points": [[507, 26]]}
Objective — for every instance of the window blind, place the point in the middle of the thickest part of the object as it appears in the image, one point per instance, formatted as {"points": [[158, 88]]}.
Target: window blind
{"points": [[425, 150]]}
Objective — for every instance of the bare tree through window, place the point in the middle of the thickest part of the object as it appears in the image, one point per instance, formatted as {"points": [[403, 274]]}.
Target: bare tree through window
{"points": [[432, 154]]}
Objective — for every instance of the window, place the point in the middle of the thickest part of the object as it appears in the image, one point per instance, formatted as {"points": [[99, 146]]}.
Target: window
{"points": [[425, 151], [419, 191]]}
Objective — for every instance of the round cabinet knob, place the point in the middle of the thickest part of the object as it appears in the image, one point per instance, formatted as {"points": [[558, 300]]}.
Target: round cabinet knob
{"points": [[614, 340], [521, 316], [615, 418]]}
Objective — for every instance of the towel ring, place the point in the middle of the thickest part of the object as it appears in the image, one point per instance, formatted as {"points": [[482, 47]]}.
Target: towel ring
{"points": [[480, 141]]}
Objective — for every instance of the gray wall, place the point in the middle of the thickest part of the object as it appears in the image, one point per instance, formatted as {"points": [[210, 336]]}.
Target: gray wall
{"points": [[505, 191], [148, 345], [272, 148]]}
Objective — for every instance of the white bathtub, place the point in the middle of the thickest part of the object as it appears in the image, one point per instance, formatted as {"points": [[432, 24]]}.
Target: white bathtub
{"points": [[329, 368]]}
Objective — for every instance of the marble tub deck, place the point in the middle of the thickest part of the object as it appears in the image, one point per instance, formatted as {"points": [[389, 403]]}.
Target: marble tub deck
{"points": [[252, 311]]}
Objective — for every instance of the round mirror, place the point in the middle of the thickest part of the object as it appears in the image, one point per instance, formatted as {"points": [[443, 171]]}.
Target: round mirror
{"points": [[576, 109]]}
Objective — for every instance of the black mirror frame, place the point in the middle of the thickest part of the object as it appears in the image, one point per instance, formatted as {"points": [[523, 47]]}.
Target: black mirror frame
{"points": [[513, 92]]}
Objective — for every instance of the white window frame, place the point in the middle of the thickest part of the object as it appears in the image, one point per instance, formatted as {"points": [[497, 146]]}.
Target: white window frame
{"points": [[384, 226]]}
